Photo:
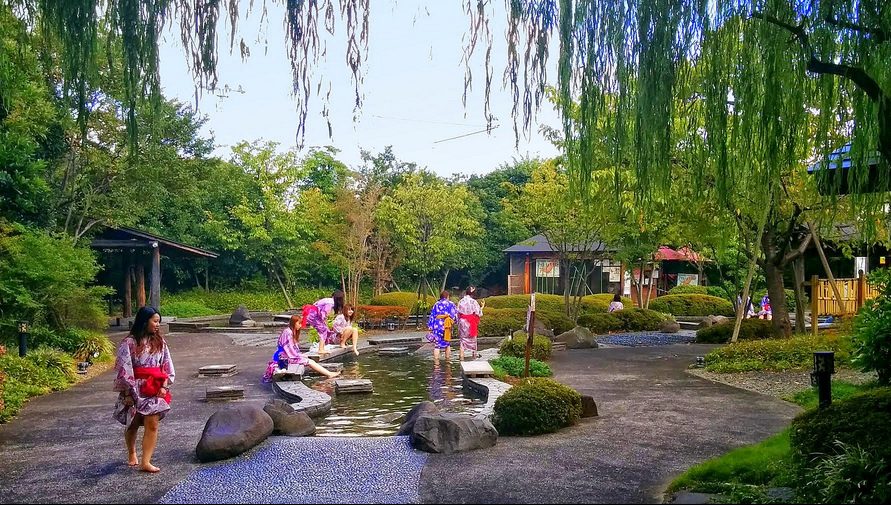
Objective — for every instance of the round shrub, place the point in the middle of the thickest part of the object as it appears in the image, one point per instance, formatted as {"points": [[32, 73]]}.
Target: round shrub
{"points": [[692, 305], [501, 322], [555, 320], [514, 366], [635, 319], [516, 346], [93, 346], [688, 290], [404, 299], [862, 419], [542, 302], [537, 406], [718, 292], [750, 329], [601, 324], [599, 303]]}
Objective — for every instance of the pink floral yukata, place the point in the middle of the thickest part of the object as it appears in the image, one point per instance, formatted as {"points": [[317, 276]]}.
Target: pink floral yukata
{"points": [[316, 315], [287, 348], [129, 358]]}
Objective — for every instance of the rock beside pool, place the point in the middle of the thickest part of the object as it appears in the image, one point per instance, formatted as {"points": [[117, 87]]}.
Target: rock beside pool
{"points": [[669, 326], [240, 315], [421, 409], [232, 430], [287, 421], [449, 433], [577, 338], [710, 321]]}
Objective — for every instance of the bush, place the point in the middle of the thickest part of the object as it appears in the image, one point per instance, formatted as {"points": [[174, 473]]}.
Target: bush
{"points": [[557, 321], [501, 322], [599, 303], [516, 346], [692, 305], [634, 319], [537, 406], [688, 290], [719, 292], [601, 324], [872, 330], [41, 371], [796, 353], [225, 302], [852, 475], [93, 346], [750, 329], [860, 419], [380, 312], [405, 299], [514, 366], [187, 308]]}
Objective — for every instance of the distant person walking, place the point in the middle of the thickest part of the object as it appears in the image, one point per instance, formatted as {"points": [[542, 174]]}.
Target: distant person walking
{"points": [[440, 323], [289, 351], [143, 376], [616, 304], [469, 314], [316, 315]]}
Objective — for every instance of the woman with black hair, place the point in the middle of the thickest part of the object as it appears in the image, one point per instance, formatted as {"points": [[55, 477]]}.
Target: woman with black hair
{"points": [[144, 375], [316, 315]]}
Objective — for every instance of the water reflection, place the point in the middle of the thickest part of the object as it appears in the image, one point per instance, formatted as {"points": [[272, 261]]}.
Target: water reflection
{"points": [[400, 383]]}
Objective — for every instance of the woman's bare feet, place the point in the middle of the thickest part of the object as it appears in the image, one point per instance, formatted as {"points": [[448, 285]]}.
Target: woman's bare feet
{"points": [[149, 468], [133, 460], [355, 351]]}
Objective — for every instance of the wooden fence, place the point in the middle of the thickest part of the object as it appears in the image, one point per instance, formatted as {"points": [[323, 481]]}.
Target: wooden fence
{"points": [[854, 293]]}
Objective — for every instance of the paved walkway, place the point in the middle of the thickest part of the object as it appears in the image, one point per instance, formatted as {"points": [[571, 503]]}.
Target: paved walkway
{"points": [[655, 422]]}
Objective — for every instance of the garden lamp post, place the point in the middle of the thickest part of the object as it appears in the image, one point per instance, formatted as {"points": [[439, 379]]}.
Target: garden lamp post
{"points": [[824, 367], [23, 338]]}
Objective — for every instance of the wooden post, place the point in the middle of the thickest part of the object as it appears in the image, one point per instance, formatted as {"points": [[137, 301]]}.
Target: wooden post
{"points": [[861, 290], [128, 301], [815, 302], [155, 290], [527, 280], [835, 291], [140, 284], [531, 331]]}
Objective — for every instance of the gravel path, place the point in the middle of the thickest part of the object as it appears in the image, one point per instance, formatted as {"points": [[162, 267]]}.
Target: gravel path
{"points": [[647, 338], [310, 470], [777, 384]]}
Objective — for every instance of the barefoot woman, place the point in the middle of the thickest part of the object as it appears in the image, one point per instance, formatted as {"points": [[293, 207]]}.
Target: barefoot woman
{"points": [[144, 375]]}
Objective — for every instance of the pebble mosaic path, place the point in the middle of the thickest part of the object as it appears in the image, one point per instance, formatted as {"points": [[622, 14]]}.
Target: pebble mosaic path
{"points": [[310, 470], [647, 338]]}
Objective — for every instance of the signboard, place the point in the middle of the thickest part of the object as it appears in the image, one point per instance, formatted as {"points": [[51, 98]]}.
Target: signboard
{"points": [[615, 273], [688, 279], [547, 268]]}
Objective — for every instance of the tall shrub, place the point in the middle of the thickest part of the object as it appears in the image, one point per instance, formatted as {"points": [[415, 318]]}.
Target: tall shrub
{"points": [[872, 330]]}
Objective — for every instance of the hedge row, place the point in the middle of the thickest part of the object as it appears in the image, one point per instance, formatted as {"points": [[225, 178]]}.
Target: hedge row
{"points": [[554, 303], [405, 299], [502, 322], [692, 305], [631, 319], [750, 329], [778, 355]]}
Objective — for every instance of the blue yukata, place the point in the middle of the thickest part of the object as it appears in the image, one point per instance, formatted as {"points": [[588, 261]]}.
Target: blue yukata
{"points": [[436, 324]]}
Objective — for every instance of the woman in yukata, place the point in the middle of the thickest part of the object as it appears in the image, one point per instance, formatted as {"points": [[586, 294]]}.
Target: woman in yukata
{"points": [[144, 374], [440, 323], [289, 350], [344, 329], [469, 314], [316, 315]]}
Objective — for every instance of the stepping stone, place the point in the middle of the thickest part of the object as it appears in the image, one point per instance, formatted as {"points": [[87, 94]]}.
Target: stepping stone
{"points": [[477, 369], [345, 386], [218, 371], [394, 351], [224, 393], [558, 346], [292, 373], [383, 340], [331, 367]]}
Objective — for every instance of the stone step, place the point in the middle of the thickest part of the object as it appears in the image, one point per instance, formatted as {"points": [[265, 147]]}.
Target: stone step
{"points": [[224, 393], [346, 386], [387, 340], [558, 346], [218, 371], [394, 351], [477, 368], [331, 367]]}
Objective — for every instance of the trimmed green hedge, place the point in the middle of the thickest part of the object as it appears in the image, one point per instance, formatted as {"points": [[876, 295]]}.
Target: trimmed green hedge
{"points": [[225, 302], [631, 319], [405, 299], [513, 366], [778, 355], [862, 419], [750, 329], [599, 303], [502, 322], [554, 303], [692, 305], [537, 406], [688, 290], [516, 346]]}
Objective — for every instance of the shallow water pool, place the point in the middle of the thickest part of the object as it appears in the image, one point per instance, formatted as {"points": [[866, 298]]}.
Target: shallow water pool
{"points": [[400, 383]]}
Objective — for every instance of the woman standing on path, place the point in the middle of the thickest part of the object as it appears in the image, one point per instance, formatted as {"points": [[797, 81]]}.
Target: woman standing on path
{"points": [[144, 375], [469, 314], [316, 315], [437, 324], [289, 350]]}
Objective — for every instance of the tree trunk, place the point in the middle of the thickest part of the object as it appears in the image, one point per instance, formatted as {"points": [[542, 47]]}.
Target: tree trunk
{"points": [[282, 286], [798, 269], [445, 281], [564, 264], [650, 287], [776, 291]]}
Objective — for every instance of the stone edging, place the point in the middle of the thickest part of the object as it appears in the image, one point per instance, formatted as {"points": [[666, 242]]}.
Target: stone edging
{"points": [[491, 388], [303, 398]]}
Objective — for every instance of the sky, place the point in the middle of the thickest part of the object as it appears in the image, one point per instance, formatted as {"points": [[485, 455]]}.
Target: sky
{"points": [[414, 81]]}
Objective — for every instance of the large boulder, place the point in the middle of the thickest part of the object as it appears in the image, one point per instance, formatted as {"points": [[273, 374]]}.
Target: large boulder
{"points": [[240, 315], [589, 406], [448, 433], [287, 421], [669, 326], [710, 321], [421, 409], [232, 430], [577, 338]]}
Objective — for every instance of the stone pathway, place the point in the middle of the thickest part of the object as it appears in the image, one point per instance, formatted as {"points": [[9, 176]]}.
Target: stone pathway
{"points": [[310, 470], [647, 338]]}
